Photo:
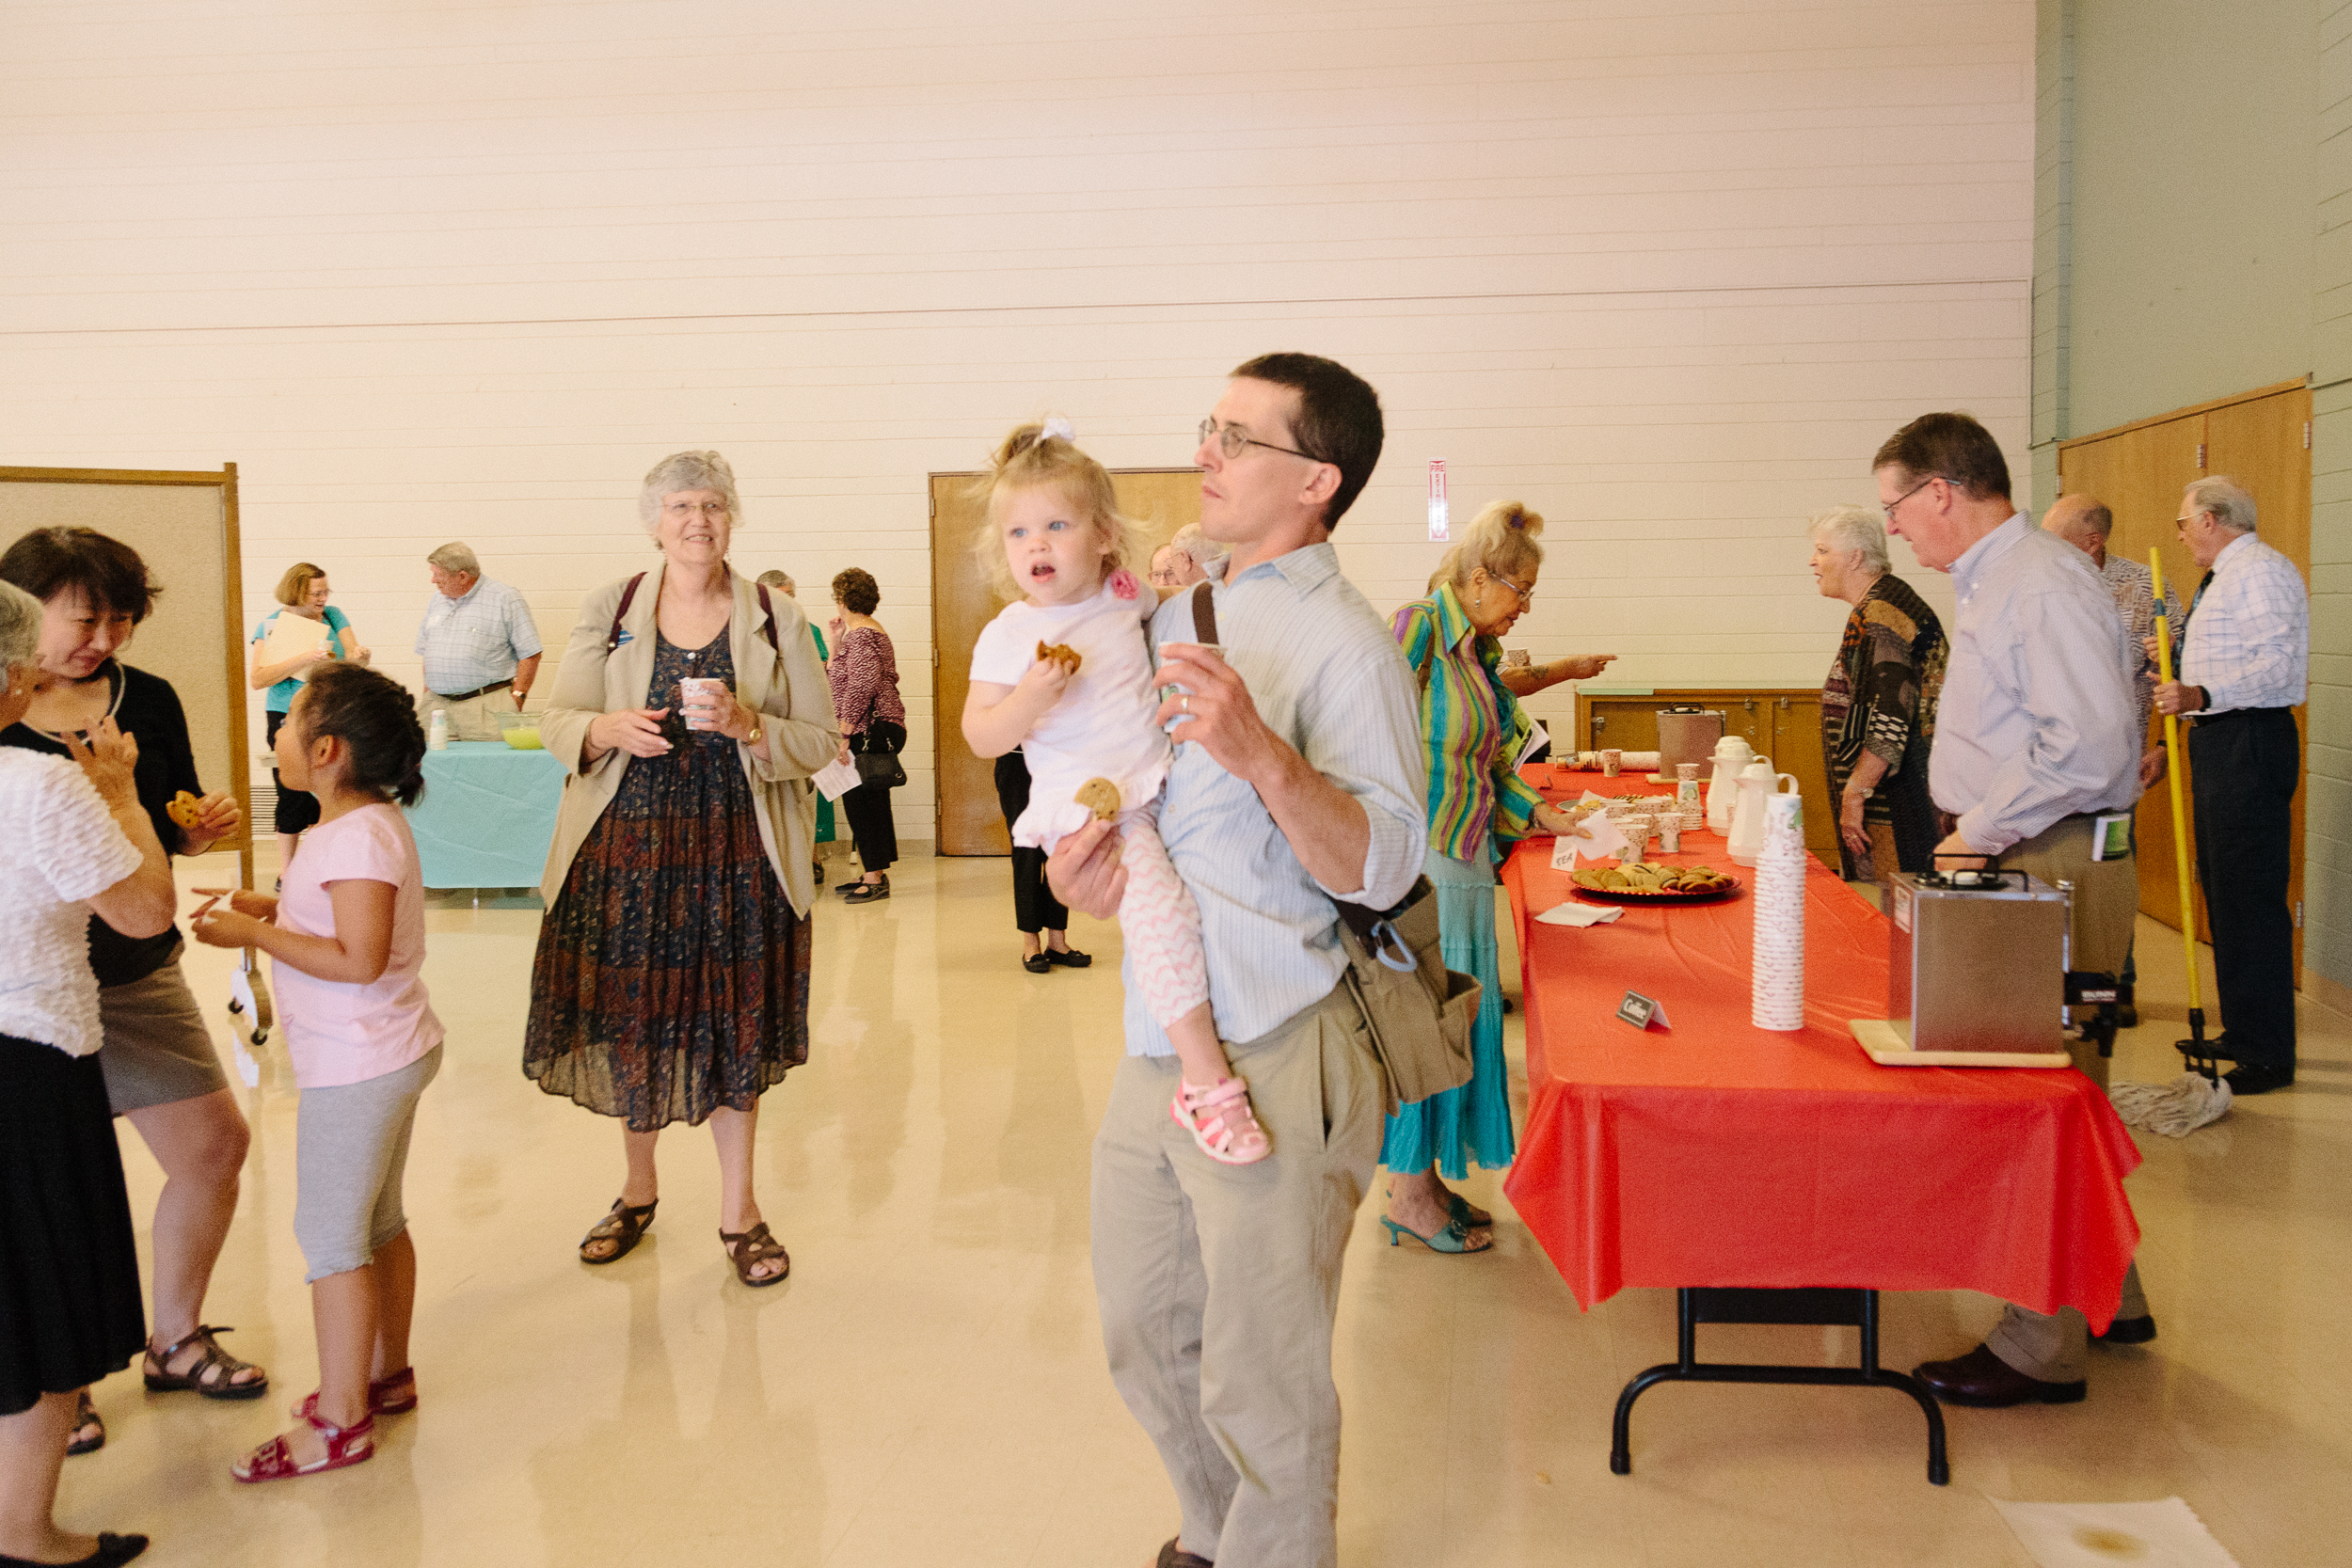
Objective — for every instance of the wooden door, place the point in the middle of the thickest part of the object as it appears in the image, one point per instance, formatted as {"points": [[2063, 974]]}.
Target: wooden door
{"points": [[2262, 440], [1160, 500]]}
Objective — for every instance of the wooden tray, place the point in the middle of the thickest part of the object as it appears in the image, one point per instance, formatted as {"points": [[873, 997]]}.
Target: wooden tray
{"points": [[1884, 1044]]}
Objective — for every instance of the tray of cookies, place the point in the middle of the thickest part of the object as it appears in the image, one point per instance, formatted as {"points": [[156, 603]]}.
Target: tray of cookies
{"points": [[1644, 883]]}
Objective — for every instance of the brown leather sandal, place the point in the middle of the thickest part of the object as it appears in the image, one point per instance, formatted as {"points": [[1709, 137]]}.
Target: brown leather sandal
{"points": [[211, 1375], [90, 1425], [747, 1249], [623, 1227]]}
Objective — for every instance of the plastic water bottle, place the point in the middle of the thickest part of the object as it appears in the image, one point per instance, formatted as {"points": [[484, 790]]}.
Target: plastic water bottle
{"points": [[436, 737]]}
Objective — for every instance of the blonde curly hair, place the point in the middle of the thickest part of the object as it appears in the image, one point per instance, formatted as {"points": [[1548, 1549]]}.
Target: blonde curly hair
{"points": [[1038, 454]]}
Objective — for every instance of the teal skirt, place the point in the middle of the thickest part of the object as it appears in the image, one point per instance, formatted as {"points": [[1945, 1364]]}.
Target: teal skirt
{"points": [[1471, 1125]]}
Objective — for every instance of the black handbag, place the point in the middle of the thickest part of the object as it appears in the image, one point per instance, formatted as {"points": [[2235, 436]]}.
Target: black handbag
{"points": [[875, 767], [1418, 1012]]}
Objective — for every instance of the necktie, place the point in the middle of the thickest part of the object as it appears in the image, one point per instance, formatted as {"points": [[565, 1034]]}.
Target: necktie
{"points": [[2202, 583]]}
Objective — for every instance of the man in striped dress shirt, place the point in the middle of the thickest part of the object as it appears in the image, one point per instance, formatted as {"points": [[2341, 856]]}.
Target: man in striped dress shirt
{"points": [[1297, 779], [2243, 671]]}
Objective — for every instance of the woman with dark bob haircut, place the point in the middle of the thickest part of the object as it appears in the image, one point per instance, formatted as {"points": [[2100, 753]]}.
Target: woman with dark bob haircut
{"points": [[161, 1069], [873, 719]]}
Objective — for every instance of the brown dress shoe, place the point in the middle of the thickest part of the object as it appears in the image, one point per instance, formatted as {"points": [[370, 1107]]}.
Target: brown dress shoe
{"points": [[1983, 1379], [1173, 1556]]}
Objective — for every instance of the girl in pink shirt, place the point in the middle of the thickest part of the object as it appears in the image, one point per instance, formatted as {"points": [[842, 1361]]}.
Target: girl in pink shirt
{"points": [[347, 938]]}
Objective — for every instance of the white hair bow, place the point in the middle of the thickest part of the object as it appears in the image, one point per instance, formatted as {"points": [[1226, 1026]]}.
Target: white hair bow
{"points": [[1056, 425]]}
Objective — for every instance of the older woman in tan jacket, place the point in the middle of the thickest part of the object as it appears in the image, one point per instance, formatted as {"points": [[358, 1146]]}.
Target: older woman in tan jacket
{"points": [[672, 971]]}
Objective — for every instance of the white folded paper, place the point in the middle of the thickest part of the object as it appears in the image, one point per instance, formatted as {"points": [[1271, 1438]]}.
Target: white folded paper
{"points": [[836, 779], [1537, 739], [2164, 1534], [1574, 913], [1603, 837]]}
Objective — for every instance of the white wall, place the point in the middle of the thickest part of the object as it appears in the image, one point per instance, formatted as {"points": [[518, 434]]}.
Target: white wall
{"points": [[1668, 271]]}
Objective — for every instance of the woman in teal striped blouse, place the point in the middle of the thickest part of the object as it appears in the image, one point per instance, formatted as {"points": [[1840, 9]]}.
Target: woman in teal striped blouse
{"points": [[1473, 729]]}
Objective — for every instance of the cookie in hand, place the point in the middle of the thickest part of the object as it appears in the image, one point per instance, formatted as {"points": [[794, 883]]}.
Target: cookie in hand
{"points": [[185, 809], [1060, 653], [1101, 797]]}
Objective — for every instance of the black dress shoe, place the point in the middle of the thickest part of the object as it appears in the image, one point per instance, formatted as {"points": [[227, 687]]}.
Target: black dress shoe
{"points": [[111, 1549], [1981, 1378], [2129, 1331], [1038, 963], [1069, 958], [1173, 1556], [2247, 1078], [865, 893]]}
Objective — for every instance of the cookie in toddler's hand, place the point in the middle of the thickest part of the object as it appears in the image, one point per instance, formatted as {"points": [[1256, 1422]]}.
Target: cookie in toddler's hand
{"points": [[1060, 653], [1101, 797], [185, 809]]}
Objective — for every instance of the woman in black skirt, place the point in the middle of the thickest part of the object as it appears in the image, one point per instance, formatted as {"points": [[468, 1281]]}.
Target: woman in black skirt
{"points": [[80, 843]]}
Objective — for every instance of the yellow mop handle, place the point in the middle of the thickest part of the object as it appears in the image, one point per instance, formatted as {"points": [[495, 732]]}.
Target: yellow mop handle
{"points": [[2172, 775]]}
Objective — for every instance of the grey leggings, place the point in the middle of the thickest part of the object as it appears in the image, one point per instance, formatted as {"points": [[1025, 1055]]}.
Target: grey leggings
{"points": [[351, 1148]]}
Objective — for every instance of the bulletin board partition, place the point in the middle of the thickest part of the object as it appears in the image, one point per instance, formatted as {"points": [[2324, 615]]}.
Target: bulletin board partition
{"points": [[184, 526]]}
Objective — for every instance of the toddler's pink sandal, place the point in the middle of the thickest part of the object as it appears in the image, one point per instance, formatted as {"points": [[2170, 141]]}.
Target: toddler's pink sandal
{"points": [[1229, 1136]]}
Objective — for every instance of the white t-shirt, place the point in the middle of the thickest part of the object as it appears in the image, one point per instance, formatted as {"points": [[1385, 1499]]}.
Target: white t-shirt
{"points": [[336, 1032], [1102, 726], [60, 846]]}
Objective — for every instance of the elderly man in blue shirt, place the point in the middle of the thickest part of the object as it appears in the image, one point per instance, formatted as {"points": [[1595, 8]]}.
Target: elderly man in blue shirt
{"points": [[2244, 665], [477, 640], [1299, 779], [2035, 740]]}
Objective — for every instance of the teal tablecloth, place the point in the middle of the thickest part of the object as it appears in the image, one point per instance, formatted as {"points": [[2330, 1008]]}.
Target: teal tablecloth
{"points": [[487, 816]]}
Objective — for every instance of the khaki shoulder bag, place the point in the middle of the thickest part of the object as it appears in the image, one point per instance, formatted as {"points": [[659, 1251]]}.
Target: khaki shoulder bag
{"points": [[1418, 1012]]}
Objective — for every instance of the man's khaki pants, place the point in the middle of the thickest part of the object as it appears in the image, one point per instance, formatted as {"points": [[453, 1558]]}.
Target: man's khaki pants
{"points": [[2056, 1348], [1218, 1284], [476, 718]]}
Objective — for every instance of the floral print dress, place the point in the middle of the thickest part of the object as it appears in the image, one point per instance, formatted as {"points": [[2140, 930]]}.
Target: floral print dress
{"points": [[672, 975]]}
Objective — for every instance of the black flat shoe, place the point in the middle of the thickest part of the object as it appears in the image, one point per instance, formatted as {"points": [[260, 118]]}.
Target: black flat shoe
{"points": [[865, 893], [1069, 958], [816, 869], [1982, 1379], [111, 1550], [1038, 963], [2129, 1331]]}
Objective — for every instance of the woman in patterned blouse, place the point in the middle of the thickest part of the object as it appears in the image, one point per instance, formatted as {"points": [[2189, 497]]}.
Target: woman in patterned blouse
{"points": [[1474, 730], [865, 702], [1877, 706]]}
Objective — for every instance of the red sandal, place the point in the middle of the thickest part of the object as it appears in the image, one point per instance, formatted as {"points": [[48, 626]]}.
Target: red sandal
{"points": [[275, 1460], [1227, 1132], [396, 1395]]}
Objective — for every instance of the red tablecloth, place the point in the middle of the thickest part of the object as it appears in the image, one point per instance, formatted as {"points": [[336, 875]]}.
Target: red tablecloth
{"points": [[1724, 1154]]}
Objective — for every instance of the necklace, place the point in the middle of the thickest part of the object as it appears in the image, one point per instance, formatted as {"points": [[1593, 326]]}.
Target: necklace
{"points": [[111, 673]]}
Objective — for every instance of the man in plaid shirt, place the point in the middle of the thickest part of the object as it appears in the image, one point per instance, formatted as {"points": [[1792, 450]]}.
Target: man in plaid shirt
{"points": [[478, 641], [2242, 672]]}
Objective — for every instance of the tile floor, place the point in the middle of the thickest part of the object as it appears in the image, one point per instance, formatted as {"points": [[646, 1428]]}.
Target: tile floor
{"points": [[928, 1388]]}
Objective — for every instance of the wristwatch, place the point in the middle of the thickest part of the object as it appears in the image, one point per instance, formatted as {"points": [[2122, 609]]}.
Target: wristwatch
{"points": [[752, 738]]}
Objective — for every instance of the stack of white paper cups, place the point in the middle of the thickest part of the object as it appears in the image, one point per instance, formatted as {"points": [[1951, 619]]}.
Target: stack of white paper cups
{"points": [[1777, 1001]]}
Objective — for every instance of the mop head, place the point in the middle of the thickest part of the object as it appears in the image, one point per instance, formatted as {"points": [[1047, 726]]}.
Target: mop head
{"points": [[2175, 1109]]}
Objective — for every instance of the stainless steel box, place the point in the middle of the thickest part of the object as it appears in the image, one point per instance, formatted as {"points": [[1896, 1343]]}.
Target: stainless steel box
{"points": [[1978, 969]]}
